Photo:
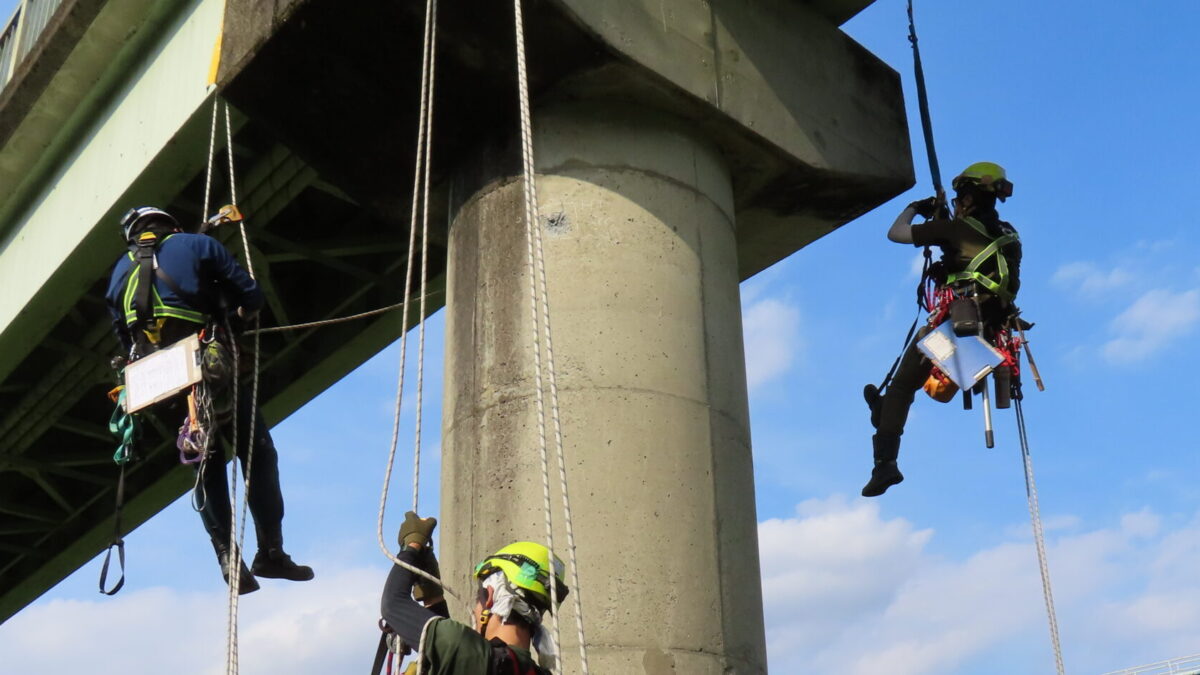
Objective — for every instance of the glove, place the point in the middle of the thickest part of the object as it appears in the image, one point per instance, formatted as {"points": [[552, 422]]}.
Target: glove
{"points": [[925, 207], [425, 589], [416, 530]]}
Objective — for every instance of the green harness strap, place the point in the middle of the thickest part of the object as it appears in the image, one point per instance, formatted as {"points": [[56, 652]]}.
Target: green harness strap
{"points": [[158, 309], [998, 286], [125, 427]]}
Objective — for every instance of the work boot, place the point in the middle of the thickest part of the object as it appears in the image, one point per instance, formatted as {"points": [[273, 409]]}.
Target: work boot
{"points": [[886, 473], [246, 583], [874, 399], [272, 563]]}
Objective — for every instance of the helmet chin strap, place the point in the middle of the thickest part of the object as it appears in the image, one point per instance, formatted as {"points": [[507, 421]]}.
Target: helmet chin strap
{"points": [[485, 616], [485, 609]]}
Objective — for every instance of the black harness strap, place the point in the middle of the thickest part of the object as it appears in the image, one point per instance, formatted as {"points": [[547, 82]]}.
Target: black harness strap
{"points": [[142, 298], [887, 379], [117, 541], [503, 654], [380, 654]]}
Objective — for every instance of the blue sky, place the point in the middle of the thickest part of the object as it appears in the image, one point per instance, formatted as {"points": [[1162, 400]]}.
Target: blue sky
{"points": [[1090, 107]]}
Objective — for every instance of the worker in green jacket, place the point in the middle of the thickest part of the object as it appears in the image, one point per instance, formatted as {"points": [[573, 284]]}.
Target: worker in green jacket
{"points": [[981, 258], [512, 596]]}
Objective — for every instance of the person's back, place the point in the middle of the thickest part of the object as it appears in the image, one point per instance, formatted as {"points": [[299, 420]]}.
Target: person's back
{"points": [[168, 285], [192, 279]]}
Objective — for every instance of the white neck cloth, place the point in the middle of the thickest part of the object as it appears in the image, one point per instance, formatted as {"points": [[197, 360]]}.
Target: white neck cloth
{"points": [[506, 601]]}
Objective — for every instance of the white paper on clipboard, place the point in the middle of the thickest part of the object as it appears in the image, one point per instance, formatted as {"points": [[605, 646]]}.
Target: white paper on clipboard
{"points": [[965, 360], [162, 374]]}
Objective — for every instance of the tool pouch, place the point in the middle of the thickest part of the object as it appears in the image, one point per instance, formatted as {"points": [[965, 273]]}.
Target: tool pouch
{"points": [[1002, 376], [964, 317], [218, 374]]}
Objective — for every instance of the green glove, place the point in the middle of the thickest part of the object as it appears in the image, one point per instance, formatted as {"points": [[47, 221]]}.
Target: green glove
{"points": [[416, 530], [425, 589]]}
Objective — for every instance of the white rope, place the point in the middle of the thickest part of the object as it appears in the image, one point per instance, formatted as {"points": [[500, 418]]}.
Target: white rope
{"points": [[233, 556], [212, 151], [1039, 538], [237, 533], [420, 172], [329, 322], [431, 52], [536, 265]]}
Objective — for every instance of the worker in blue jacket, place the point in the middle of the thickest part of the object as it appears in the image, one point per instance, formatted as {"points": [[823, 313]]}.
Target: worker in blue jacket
{"points": [[168, 286]]}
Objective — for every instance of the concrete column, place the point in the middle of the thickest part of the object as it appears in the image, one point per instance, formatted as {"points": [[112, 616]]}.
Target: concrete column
{"points": [[637, 217]]}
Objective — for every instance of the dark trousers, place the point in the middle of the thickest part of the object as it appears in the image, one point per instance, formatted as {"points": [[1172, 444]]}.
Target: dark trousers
{"points": [[898, 398], [266, 500]]}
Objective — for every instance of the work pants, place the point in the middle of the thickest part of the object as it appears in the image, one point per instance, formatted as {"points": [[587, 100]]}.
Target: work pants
{"points": [[898, 397], [266, 499]]}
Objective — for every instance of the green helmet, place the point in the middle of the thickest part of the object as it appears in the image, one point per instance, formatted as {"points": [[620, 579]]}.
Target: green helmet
{"points": [[985, 176], [526, 565]]}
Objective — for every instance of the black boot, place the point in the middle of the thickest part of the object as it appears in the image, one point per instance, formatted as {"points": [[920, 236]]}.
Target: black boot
{"points": [[272, 563], [886, 473], [246, 583]]}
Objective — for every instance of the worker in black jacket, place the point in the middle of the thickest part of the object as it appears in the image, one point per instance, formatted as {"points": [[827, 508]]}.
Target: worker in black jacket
{"points": [[171, 285], [980, 254]]}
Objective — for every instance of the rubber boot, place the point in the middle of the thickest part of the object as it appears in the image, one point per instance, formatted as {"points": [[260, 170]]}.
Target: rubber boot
{"points": [[246, 583], [272, 563], [886, 473]]}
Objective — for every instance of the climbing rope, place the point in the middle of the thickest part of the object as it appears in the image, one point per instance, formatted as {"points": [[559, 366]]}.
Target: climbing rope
{"points": [[540, 311], [935, 173], [923, 104], [431, 52], [236, 531], [420, 191], [330, 322], [1038, 536], [212, 151], [1027, 460]]}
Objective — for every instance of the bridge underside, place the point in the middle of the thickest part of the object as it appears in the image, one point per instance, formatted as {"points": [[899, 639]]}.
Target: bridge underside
{"points": [[318, 254], [325, 93]]}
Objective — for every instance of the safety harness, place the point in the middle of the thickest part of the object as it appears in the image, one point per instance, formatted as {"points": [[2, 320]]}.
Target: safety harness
{"points": [[145, 314], [998, 286], [145, 311], [504, 660]]}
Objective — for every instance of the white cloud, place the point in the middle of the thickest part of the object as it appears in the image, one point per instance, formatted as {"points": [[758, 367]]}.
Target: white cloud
{"points": [[848, 591], [771, 331], [916, 266], [318, 627], [1089, 279], [1152, 322]]}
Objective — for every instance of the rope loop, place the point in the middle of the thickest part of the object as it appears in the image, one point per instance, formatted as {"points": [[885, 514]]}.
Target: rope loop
{"points": [[420, 195]]}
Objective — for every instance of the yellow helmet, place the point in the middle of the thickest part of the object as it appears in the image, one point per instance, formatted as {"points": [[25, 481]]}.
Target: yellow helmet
{"points": [[987, 176], [526, 565]]}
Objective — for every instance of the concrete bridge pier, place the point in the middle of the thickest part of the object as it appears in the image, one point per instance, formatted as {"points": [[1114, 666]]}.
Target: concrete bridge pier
{"points": [[638, 223]]}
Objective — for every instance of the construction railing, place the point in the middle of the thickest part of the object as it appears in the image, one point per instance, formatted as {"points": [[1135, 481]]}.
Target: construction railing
{"points": [[1187, 665], [21, 33]]}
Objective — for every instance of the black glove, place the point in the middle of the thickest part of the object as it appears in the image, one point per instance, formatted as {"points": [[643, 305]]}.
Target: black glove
{"points": [[425, 589], [416, 530], [925, 207]]}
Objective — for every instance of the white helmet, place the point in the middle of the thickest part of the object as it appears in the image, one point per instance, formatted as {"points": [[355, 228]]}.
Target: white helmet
{"points": [[140, 213]]}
